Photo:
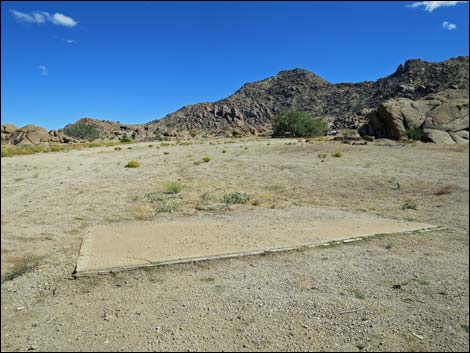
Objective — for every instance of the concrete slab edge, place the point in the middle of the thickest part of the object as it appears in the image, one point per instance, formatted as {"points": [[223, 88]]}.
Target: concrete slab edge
{"points": [[112, 270]]}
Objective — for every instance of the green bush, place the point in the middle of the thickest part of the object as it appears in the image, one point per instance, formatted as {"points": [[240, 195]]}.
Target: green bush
{"points": [[206, 159], [409, 205], [81, 130], [236, 197], [337, 154], [298, 124], [415, 134]]}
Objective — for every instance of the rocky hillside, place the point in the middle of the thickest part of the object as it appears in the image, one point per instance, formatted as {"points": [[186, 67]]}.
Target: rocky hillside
{"points": [[252, 107]]}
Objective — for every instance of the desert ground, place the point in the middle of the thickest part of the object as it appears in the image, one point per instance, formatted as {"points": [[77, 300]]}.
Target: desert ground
{"points": [[399, 292]]}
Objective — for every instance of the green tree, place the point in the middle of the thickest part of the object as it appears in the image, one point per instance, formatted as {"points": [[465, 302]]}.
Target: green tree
{"points": [[82, 130], [299, 124]]}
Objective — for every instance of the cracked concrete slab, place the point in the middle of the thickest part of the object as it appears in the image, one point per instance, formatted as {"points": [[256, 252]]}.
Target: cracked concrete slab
{"points": [[181, 239]]}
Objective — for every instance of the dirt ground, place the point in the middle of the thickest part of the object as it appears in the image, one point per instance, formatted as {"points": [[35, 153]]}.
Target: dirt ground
{"points": [[396, 292]]}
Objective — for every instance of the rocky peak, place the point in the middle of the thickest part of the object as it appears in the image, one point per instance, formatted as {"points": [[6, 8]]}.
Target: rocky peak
{"points": [[299, 74]]}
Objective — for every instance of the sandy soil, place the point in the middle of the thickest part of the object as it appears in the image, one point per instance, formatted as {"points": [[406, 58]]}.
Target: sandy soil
{"points": [[399, 292]]}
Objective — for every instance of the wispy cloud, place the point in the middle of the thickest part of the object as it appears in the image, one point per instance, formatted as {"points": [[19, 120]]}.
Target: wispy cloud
{"points": [[69, 41], [42, 17], [448, 26], [44, 70], [430, 6]]}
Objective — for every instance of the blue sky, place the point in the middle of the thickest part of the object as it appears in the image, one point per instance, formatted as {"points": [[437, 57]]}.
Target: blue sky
{"points": [[137, 61]]}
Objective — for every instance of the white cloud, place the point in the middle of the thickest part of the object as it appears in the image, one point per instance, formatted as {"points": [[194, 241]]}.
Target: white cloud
{"points": [[44, 70], [430, 6], [70, 41], [62, 20], [42, 16], [448, 26]]}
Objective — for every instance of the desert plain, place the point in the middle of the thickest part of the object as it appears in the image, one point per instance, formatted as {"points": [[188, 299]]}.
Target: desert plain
{"points": [[403, 291]]}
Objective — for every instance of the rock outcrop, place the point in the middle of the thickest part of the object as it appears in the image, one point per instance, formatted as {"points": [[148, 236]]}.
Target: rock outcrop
{"points": [[30, 135], [7, 132], [442, 117]]}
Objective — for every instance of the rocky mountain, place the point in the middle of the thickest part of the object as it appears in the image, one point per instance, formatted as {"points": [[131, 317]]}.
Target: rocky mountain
{"points": [[346, 105], [250, 110]]}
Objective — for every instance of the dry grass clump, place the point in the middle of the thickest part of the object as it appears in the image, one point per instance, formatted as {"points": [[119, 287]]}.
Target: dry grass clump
{"points": [[142, 211], [173, 187]]}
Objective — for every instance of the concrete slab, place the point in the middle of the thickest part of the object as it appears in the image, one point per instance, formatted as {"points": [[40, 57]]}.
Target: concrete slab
{"points": [[185, 239]]}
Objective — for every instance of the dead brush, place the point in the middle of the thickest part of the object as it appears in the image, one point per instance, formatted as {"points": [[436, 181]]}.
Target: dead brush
{"points": [[443, 190]]}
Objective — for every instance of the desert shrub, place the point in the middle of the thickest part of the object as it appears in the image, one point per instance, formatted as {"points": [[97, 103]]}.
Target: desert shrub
{"points": [[206, 159], [173, 187], [299, 124], [168, 206], [415, 134], [337, 154], [150, 197], [166, 152], [81, 130], [125, 140], [150, 146], [165, 144], [224, 151], [409, 205], [236, 198], [117, 148], [322, 155], [132, 164]]}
